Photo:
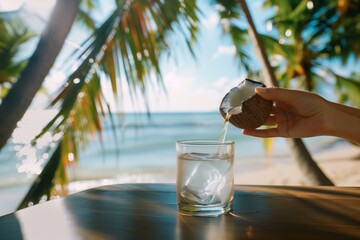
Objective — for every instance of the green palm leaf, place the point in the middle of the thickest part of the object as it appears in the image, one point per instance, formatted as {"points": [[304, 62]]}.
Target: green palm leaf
{"points": [[14, 34], [230, 13], [126, 46], [349, 89]]}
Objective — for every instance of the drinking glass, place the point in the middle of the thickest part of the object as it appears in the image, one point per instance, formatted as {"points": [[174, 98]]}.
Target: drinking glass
{"points": [[205, 178]]}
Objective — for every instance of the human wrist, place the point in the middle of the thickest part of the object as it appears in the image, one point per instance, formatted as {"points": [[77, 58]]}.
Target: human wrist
{"points": [[331, 127], [342, 121]]}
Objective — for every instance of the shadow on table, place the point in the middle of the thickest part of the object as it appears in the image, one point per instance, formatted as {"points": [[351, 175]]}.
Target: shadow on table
{"points": [[10, 227], [146, 214]]}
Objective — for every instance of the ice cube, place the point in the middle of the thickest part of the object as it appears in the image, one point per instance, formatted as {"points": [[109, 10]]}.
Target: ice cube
{"points": [[206, 178], [222, 194]]}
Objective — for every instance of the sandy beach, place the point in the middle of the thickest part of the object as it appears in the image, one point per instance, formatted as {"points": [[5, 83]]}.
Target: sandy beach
{"points": [[340, 161]]}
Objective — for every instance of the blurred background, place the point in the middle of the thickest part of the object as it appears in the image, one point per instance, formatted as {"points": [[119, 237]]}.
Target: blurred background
{"points": [[98, 92]]}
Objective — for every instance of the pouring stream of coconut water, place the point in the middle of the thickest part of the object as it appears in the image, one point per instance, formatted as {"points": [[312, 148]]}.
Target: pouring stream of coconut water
{"points": [[243, 108]]}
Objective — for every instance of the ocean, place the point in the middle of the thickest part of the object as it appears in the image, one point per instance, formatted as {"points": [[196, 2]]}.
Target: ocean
{"points": [[141, 149]]}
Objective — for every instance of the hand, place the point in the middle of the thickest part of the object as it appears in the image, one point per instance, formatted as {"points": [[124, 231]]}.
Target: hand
{"points": [[304, 114]]}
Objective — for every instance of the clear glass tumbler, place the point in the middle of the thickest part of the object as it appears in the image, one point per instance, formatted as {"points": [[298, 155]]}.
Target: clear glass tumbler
{"points": [[205, 177]]}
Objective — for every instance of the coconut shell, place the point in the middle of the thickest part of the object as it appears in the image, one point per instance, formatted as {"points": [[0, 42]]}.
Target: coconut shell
{"points": [[255, 111]]}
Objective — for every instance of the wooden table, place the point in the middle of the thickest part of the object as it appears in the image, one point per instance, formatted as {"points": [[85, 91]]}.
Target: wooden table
{"points": [[149, 211]]}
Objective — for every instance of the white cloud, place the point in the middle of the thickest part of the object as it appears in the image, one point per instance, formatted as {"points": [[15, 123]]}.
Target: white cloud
{"points": [[225, 50], [225, 84], [185, 93], [211, 22], [40, 7], [8, 6], [220, 7], [182, 94]]}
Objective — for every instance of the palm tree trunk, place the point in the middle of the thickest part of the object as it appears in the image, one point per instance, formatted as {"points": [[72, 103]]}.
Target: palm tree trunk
{"points": [[308, 83], [312, 172], [19, 98]]}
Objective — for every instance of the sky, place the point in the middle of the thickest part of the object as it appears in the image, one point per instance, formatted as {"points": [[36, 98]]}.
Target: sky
{"points": [[200, 85], [191, 85]]}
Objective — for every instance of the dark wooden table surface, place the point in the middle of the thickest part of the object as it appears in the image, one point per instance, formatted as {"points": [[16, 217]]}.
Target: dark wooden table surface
{"points": [[149, 211]]}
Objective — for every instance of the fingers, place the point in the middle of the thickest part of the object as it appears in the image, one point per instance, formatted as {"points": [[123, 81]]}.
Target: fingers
{"points": [[262, 133], [276, 123], [270, 121], [276, 117], [278, 94]]}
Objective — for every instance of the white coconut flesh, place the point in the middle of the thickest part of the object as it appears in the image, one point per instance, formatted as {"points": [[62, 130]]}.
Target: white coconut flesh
{"points": [[232, 103]]}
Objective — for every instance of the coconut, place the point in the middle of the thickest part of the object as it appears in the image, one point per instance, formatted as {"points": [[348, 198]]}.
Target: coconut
{"points": [[243, 108]]}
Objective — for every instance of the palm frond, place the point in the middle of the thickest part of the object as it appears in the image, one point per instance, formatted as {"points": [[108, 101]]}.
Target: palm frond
{"points": [[349, 90], [14, 35], [127, 46], [230, 12]]}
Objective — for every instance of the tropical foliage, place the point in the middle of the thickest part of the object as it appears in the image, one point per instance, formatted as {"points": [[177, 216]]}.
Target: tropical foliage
{"points": [[125, 49], [310, 37], [14, 35], [304, 40], [299, 47]]}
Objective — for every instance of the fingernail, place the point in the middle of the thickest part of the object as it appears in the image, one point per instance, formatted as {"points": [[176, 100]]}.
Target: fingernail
{"points": [[261, 90]]}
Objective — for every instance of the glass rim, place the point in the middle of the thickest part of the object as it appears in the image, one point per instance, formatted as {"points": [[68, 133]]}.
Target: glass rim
{"points": [[202, 142]]}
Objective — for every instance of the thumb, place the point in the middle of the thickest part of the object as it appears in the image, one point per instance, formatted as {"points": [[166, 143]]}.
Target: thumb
{"points": [[277, 94]]}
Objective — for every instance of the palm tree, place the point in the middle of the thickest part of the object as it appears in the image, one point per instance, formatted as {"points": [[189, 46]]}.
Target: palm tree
{"points": [[312, 36], [306, 163], [20, 96], [14, 35], [127, 46], [328, 31]]}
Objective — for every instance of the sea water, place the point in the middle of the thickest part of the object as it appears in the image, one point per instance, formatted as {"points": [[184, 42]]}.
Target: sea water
{"points": [[138, 148]]}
